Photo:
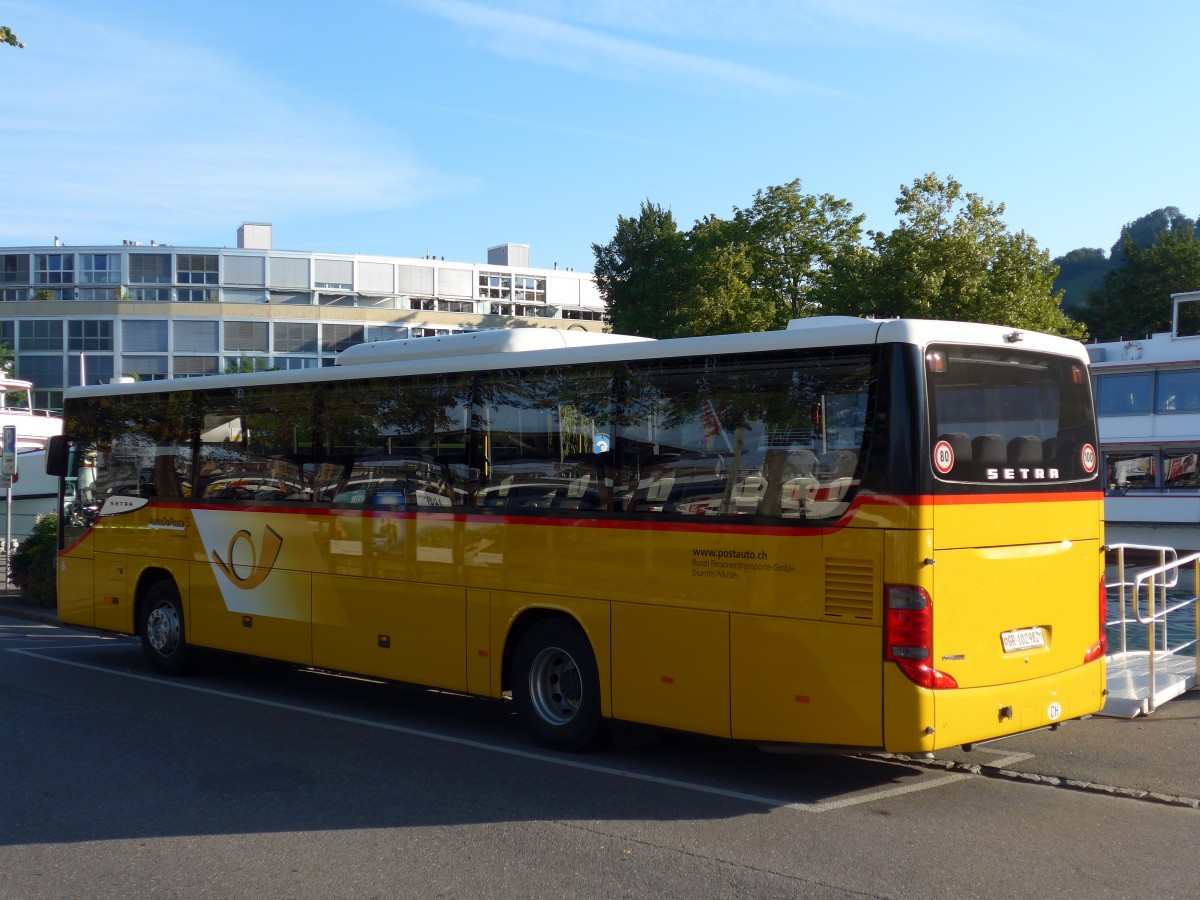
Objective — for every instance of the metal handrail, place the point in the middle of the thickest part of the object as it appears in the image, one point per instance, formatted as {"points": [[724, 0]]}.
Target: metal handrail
{"points": [[1155, 582]]}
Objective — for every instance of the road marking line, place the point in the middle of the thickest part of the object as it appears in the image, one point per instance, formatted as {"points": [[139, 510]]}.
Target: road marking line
{"points": [[817, 807]]}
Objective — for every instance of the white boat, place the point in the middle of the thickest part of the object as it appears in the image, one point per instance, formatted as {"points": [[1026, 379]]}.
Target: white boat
{"points": [[34, 493], [1148, 404]]}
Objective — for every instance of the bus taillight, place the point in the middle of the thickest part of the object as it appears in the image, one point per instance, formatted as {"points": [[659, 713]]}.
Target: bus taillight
{"points": [[1100, 648], [908, 636]]}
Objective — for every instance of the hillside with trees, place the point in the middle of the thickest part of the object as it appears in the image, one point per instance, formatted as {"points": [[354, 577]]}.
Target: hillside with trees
{"points": [[790, 254]]}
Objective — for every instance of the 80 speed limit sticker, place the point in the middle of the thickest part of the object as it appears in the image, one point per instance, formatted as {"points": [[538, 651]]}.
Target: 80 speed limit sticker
{"points": [[943, 457]]}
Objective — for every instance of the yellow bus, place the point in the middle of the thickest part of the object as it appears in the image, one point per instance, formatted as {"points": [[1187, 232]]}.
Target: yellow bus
{"points": [[850, 533]]}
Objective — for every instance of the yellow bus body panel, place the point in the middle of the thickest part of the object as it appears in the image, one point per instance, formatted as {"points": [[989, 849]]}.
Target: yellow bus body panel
{"points": [[401, 630], [76, 587], [806, 682], [671, 667]]}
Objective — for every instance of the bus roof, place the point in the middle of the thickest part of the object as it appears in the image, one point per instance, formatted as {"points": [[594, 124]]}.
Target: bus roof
{"points": [[533, 347]]}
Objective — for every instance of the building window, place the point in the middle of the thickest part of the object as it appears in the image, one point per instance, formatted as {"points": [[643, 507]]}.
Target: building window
{"points": [[295, 337], [336, 338], [109, 295], [190, 366], [583, 315], [246, 336], [54, 268], [529, 289], [196, 295], [196, 269], [296, 362], [90, 334], [41, 334], [14, 268], [90, 368], [14, 294], [495, 287], [149, 268], [150, 295], [99, 268], [44, 371], [387, 332], [144, 368], [144, 336], [196, 337], [334, 274], [242, 364]]}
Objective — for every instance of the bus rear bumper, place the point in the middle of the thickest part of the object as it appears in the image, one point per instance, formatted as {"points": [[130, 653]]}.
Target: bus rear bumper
{"points": [[934, 720]]}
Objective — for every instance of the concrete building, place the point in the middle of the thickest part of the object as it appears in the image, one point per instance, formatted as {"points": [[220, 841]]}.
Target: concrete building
{"points": [[76, 314]]}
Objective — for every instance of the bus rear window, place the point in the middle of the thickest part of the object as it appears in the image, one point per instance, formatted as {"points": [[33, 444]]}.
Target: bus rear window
{"points": [[1008, 416]]}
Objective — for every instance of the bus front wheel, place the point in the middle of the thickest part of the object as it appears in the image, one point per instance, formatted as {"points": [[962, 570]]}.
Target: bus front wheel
{"points": [[556, 686], [163, 640]]}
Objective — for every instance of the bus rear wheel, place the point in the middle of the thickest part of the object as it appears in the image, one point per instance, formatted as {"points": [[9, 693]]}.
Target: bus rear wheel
{"points": [[163, 641], [556, 686]]}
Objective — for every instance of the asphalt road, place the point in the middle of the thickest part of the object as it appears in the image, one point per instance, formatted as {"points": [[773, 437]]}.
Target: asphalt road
{"points": [[253, 779]]}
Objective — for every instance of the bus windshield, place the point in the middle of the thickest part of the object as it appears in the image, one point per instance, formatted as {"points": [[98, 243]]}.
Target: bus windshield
{"points": [[1006, 417]]}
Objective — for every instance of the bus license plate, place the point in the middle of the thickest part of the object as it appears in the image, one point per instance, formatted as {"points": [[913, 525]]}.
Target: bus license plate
{"points": [[1022, 639]]}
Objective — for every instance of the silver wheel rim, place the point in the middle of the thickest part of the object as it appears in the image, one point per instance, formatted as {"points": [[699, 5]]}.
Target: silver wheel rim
{"points": [[163, 629], [555, 686]]}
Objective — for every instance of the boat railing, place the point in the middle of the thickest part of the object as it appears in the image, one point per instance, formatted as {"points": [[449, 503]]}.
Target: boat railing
{"points": [[1147, 590]]}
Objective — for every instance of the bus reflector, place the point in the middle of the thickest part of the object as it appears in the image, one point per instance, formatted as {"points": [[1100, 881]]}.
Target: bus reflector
{"points": [[935, 361], [908, 636], [1100, 648]]}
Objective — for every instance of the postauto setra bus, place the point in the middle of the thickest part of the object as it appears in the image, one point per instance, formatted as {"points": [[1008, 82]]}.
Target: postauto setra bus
{"points": [[850, 533]]}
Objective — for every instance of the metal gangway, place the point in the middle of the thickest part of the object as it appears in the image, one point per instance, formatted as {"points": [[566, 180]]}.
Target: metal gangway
{"points": [[1148, 664]]}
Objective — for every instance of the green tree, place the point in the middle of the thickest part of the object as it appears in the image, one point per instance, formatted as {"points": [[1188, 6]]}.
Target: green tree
{"points": [[722, 271], [32, 566], [951, 257], [7, 37], [751, 272], [1135, 298], [792, 239], [643, 275]]}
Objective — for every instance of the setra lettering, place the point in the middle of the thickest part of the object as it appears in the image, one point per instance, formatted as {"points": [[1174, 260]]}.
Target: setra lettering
{"points": [[1021, 474]]}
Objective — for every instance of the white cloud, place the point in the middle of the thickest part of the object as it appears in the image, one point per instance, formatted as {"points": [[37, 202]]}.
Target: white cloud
{"points": [[511, 34], [107, 130]]}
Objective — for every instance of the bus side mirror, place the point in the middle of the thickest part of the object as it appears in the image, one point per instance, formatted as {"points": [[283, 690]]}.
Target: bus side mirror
{"points": [[57, 454]]}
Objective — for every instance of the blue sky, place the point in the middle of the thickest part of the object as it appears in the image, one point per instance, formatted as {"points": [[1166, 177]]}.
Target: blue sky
{"points": [[413, 127]]}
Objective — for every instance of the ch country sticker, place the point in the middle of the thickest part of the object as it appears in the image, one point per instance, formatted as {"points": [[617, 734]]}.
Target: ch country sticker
{"points": [[260, 563]]}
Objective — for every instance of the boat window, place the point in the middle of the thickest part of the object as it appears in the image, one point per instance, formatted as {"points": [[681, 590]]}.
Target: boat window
{"points": [[1130, 471], [1124, 395], [1181, 468], [1178, 391]]}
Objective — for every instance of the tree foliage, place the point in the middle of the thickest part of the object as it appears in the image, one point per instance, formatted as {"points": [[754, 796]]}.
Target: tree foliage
{"points": [[951, 257], [792, 239], [1135, 297], [7, 37], [641, 274], [751, 272]]}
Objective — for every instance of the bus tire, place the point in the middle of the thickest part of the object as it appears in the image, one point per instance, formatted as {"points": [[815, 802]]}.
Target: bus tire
{"points": [[556, 686], [163, 641]]}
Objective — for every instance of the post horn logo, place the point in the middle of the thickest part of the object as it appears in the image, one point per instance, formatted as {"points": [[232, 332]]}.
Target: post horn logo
{"points": [[261, 567]]}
